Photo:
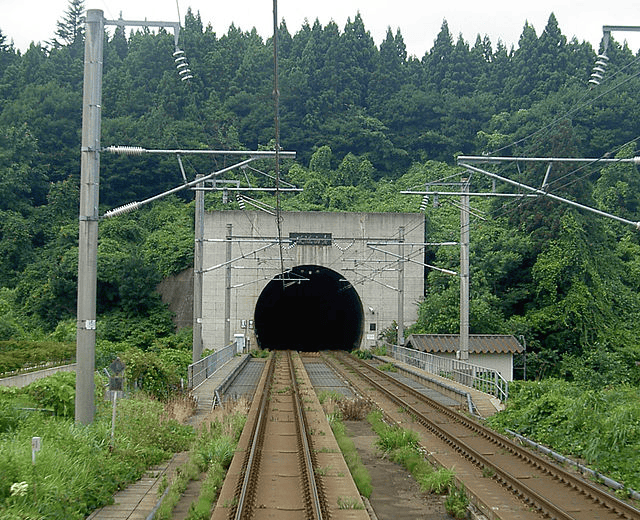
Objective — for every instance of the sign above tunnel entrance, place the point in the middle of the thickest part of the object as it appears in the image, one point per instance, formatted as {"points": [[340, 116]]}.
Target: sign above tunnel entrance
{"points": [[311, 239]]}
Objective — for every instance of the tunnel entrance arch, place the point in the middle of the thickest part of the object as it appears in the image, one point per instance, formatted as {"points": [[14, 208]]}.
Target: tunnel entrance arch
{"points": [[313, 308]]}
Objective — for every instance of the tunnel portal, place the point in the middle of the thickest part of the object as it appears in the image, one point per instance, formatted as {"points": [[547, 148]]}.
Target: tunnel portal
{"points": [[313, 308]]}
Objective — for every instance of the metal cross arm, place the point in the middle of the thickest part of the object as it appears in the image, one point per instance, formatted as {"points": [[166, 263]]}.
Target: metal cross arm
{"points": [[446, 271], [551, 195], [145, 23], [135, 205], [213, 268]]}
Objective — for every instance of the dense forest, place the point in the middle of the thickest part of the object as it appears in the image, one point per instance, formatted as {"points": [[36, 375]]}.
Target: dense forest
{"points": [[366, 122]]}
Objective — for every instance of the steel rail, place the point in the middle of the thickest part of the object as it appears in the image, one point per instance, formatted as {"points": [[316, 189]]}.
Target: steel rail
{"points": [[317, 509], [598, 496], [315, 505], [247, 491]]}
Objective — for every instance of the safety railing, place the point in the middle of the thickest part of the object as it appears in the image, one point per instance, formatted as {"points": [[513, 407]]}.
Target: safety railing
{"points": [[199, 371], [486, 380]]}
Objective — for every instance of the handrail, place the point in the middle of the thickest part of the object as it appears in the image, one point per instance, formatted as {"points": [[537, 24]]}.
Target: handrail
{"points": [[199, 371], [487, 380]]}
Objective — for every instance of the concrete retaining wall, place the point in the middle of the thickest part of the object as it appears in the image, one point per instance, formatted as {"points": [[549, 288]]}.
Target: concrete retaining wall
{"points": [[24, 379]]}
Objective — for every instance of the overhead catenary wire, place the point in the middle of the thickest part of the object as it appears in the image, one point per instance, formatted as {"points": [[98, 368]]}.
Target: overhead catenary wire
{"points": [[276, 108]]}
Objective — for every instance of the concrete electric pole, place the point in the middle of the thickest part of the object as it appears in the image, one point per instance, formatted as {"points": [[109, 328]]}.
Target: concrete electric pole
{"points": [[88, 234]]}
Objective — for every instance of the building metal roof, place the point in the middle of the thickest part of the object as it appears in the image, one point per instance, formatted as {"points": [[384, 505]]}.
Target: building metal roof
{"points": [[478, 343]]}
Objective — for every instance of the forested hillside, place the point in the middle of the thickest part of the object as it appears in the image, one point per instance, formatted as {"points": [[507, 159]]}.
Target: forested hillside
{"points": [[366, 122]]}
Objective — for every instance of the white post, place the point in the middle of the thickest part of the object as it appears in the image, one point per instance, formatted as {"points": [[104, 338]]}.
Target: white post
{"points": [[227, 292], [400, 339], [463, 353], [197, 273]]}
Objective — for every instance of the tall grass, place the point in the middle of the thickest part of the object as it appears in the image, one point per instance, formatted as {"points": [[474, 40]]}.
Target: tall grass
{"points": [[360, 474], [77, 470], [211, 452], [403, 448]]}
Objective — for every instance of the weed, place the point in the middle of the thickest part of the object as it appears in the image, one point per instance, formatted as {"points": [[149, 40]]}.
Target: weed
{"points": [[323, 471], [438, 482], [326, 450], [379, 351], [327, 394], [354, 409], [360, 475], [349, 503], [361, 354], [388, 367], [457, 502], [488, 472], [393, 437], [230, 502]]}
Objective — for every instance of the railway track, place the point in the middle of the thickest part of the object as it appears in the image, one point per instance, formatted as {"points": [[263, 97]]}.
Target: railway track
{"points": [[275, 472], [545, 488]]}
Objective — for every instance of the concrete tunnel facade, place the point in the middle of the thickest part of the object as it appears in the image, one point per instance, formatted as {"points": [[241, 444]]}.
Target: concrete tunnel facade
{"points": [[335, 286]]}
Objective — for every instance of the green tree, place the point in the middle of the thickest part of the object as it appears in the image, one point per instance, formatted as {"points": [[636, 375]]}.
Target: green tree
{"points": [[71, 28]]}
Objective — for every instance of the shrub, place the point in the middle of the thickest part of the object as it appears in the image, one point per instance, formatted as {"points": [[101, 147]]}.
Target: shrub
{"points": [[17, 355], [56, 392]]}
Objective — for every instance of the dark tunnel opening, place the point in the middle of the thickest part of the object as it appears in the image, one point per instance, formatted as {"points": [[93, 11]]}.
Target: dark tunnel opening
{"points": [[312, 309]]}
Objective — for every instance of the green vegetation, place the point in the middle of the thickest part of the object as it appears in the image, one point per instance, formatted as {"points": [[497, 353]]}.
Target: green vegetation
{"points": [[349, 503], [19, 355], [402, 447], [211, 453], [599, 426], [367, 121], [360, 475], [361, 353], [457, 502], [76, 469]]}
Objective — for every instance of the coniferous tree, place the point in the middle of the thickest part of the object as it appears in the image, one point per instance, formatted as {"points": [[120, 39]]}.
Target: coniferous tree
{"points": [[71, 28]]}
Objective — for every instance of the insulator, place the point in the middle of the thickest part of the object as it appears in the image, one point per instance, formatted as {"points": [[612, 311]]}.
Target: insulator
{"points": [[602, 57], [126, 150], [185, 78], [424, 203], [596, 76], [182, 65], [599, 69], [184, 71], [594, 82], [601, 63], [122, 209], [240, 200], [178, 53]]}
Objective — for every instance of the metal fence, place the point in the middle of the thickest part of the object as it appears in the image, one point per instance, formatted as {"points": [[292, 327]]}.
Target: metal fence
{"points": [[486, 380], [201, 370]]}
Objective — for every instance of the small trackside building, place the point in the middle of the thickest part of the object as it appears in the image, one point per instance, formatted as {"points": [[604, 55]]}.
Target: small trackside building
{"points": [[493, 351]]}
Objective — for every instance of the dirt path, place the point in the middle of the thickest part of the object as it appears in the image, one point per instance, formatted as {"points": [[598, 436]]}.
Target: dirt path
{"points": [[396, 496]]}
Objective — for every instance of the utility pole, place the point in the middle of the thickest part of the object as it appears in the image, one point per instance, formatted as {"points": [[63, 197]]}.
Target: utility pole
{"points": [[463, 353], [400, 338], [197, 272], [88, 217], [227, 290]]}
